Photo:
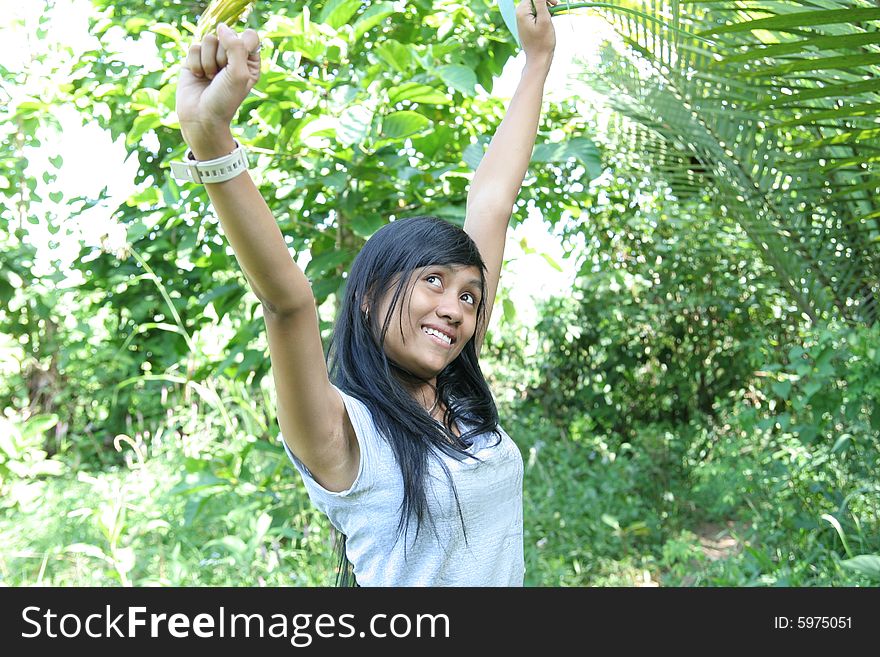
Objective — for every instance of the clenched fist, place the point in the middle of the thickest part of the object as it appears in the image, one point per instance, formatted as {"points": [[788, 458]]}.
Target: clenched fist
{"points": [[217, 76]]}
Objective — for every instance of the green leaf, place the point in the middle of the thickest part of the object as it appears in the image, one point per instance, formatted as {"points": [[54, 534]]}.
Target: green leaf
{"points": [[8, 436], [782, 388], [611, 521], [845, 90], [842, 62], [37, 425], [233, 544], [366, 223], [324, 287], [321, 263], [836, 41], [124, 560], [509, 309], [192, 508], [338, 12], [459, 77], [417, 93], [508, 14], [317, 133], [579, 148], [135, 25], [834, 522], [800, 19], [375, 14], [811, 389], [217, 292], [473, 154], [395, 54], [263, 524], [147, 120], [355, 123], [823, 362], [784, 420], [398, 125], [87, 549], [167, 30], [842, 443], [865, 564], [551, 261], [806, 432]]}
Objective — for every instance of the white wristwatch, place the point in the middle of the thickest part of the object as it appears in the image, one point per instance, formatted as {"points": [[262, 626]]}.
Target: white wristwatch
{"points": [[211, 171]]}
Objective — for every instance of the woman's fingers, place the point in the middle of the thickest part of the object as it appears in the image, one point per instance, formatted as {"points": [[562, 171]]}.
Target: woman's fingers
{"points": [[242, 51], [251, 43], [222, 57], [194, 60], [209, 56], [215, 52]]}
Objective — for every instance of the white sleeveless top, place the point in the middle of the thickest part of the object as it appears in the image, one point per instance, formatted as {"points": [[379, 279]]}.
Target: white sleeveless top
{"points": [[489, 494]]}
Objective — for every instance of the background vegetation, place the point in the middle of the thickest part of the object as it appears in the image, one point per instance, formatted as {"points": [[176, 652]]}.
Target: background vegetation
{"points": [[703, 407]]}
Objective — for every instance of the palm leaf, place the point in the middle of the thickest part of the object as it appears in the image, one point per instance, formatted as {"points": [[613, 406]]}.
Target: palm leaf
{"points": [[778, 112]]}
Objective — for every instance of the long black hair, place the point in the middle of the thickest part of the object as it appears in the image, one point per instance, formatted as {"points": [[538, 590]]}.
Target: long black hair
{"points": [[359, 366]]}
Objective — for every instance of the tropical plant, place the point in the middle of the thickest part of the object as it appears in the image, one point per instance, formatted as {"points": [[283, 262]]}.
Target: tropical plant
{"points": [[767, 107]]}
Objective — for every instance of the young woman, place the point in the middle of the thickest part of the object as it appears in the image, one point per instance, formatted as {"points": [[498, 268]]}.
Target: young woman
{"points": [[398, 442]]}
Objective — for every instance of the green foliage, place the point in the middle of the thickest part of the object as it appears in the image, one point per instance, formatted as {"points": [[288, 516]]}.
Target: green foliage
{"points": [[644, 507], [664, 319], [770, 110], [714, 370], [195, 503], [676, 390], [830, 381]]}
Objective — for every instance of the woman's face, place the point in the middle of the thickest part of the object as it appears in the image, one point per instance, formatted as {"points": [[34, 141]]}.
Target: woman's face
{"points": [[431, 325]]}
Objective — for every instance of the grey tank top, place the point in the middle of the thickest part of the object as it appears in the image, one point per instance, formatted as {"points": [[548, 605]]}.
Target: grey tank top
{"points": [[488, 552]]}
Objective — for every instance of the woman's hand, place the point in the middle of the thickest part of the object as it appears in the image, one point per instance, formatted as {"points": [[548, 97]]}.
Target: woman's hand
{"points": [[217, 76], [536, 32]]}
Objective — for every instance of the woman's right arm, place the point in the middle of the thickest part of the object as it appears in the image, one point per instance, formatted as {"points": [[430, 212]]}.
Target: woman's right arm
{"points": [[215, 80]]}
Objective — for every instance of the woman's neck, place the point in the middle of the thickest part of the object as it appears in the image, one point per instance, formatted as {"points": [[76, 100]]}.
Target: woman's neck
{"points": [[426, 395]]}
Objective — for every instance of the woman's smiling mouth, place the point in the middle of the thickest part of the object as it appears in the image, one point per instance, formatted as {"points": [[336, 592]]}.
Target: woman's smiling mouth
{"points": [[438, 336]]}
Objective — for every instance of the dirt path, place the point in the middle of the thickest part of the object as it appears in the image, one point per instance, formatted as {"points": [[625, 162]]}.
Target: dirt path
{"points": [[716, 542]]}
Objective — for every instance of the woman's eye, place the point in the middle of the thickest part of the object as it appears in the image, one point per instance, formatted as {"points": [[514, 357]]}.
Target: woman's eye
{"points": [[469, 298], [435, 279]]}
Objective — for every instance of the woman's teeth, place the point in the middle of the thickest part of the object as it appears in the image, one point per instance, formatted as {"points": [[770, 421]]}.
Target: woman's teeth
{"points": [[440, 335]]}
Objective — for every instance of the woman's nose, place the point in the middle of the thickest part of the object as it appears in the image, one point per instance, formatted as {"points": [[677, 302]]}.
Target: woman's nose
{"points": [[447, 307]]}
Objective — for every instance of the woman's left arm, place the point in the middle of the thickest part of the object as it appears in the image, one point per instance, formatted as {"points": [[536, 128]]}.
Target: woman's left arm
{"points": [[499, 177]]}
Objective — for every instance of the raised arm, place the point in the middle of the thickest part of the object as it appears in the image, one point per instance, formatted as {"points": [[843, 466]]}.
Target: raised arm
{"points": [[499, 177], [216, 78]]}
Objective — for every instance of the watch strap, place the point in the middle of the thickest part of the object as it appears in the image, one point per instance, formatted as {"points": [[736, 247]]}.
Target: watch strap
{"points": [[211, 171]]}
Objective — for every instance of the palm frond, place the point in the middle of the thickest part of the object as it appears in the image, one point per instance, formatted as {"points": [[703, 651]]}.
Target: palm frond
{"points": [[779, 113]]}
